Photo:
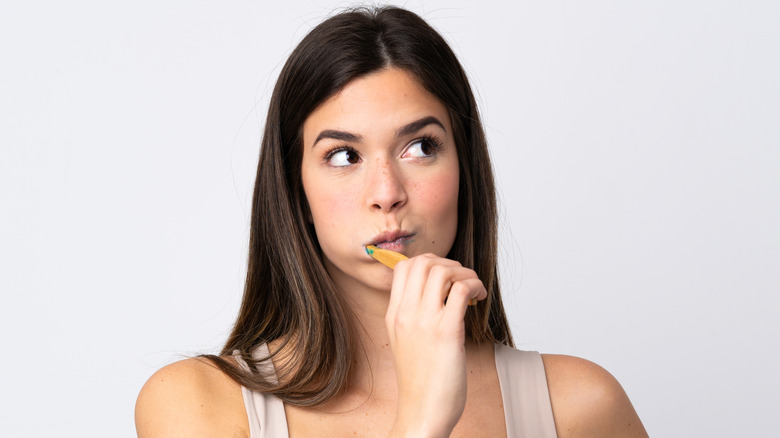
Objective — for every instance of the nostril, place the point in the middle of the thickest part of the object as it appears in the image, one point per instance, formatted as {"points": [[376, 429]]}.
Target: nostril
{"points": [[386, 188]]}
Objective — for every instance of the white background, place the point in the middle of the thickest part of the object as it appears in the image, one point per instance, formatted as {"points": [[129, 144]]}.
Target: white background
{"points": [[636, 145]]}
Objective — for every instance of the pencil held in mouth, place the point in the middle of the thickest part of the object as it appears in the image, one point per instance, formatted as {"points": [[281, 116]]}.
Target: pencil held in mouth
{"points": [[390, 258], [385, 256]]}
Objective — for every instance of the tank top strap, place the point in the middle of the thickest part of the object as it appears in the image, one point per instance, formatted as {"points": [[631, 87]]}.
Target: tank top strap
{"points": [[523, 382], [265, 412]]}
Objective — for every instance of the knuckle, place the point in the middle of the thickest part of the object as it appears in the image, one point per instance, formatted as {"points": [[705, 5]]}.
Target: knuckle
{"points": [[438, 271], [402, 321], [460, 290], [402, 264], [469, 273]]}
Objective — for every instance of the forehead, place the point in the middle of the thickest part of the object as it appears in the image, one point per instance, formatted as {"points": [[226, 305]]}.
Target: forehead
{"points": [[374, 103]]}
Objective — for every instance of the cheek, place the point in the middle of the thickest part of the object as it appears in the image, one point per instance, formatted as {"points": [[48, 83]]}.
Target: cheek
{"points": [[330, 206], [333, 211], [440, 194]]}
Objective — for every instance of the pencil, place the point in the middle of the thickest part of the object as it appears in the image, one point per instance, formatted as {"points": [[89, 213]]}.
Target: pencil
{"points": [[390, 258], [385, 256]]}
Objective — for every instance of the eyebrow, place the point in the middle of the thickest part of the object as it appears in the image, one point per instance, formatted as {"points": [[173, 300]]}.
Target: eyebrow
{"points": [[403, 131], [338, 135], [418, 125]]}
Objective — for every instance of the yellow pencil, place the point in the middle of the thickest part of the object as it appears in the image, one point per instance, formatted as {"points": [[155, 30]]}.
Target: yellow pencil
{"points": [[385, 256], [390, 258]]}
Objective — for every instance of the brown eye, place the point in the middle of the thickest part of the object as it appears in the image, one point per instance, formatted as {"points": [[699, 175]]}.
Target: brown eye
{"points": [[422, 148], [343, 157]]}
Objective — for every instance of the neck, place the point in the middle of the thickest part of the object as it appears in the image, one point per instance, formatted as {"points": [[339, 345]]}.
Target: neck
{"points": [[374, 371]]}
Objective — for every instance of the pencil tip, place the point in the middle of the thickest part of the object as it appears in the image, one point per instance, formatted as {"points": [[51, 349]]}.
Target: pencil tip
{"points": [[370, 249]]}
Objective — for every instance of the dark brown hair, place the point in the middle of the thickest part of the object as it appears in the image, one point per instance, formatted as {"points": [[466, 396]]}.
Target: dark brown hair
{"points": [[288, 294]]}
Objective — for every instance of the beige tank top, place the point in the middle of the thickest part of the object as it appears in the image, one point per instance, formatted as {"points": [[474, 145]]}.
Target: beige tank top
{"points": [[527, 408]]}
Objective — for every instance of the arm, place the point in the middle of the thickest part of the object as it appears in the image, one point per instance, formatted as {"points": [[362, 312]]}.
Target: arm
{"points": [[587, 401], [190, 398]]}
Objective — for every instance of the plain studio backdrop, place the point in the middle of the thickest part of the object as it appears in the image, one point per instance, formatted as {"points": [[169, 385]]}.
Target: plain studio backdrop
{"points": [[636, 146]]}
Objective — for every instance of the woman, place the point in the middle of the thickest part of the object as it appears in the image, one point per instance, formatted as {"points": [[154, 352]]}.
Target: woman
{"points": [[373, 138]]}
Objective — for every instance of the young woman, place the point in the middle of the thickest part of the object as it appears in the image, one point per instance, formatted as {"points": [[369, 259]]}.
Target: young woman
{"points": [[373, 137]]}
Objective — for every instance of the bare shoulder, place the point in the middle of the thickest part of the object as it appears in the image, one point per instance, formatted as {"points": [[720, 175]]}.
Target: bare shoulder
{"points": [[587, 401], [191, 398]]}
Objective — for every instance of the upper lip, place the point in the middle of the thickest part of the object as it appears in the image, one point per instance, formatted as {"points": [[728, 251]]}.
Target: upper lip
{"points": [[388, 236]]}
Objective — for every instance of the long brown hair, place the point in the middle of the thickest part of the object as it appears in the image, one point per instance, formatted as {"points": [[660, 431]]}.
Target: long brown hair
{"points": [[288, 295]]}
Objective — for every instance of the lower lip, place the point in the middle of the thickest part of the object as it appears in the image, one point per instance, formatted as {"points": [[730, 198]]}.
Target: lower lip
{"points": [[396, 245]]}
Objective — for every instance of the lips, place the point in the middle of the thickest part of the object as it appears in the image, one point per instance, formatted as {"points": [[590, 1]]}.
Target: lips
{"points": [[392, 240]]}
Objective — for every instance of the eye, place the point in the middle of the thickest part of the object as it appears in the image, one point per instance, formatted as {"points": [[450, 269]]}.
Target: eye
{"points": [[423, 147], [342, 157]]}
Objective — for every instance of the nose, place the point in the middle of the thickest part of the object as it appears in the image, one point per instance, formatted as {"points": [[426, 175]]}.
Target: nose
{"points": [[386, 187]]}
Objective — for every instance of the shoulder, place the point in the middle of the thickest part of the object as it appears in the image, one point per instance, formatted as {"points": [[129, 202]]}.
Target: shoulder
{"points": [[190, 398], [587, 401]]}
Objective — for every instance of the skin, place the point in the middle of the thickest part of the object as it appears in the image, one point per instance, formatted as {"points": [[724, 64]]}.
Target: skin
{"points": [[392, 185], [419, 376]]}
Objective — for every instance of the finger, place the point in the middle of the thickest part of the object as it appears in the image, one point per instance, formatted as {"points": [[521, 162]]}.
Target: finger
{"points": [[400, 276], [461, 293], [417, 279], [440, 280]]}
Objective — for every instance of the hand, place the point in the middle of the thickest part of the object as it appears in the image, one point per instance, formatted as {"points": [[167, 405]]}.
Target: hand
{"points": [[427, 337]]}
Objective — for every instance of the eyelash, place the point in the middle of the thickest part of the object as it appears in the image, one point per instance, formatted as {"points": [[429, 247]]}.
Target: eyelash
{"points": [[435, 143]]}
